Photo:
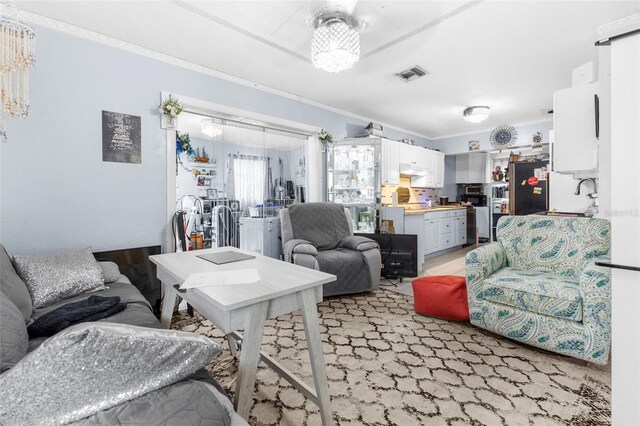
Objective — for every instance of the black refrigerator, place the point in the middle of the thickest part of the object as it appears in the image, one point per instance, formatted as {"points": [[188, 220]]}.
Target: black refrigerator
{"points": [[528, 187]]}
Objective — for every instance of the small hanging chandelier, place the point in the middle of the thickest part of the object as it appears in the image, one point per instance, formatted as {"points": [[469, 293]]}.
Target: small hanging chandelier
{"points": [[336, 42], [209, 128], [17, 56]]}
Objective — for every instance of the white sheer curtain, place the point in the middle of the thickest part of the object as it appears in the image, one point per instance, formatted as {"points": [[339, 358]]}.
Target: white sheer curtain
{"points": [[249, 174]]}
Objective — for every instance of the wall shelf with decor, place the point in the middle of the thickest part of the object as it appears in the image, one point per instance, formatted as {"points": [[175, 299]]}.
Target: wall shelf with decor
{"points": [[202, 165]]}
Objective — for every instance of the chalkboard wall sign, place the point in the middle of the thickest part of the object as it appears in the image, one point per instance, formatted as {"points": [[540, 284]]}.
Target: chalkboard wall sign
{"points": [[121, 141]]}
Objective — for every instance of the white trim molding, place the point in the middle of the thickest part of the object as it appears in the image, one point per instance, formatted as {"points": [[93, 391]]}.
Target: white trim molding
{"points": [[619, 26], [489, 129]]}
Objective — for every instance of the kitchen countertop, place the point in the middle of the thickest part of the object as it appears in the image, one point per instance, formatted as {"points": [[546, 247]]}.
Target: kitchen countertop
{"points": [[433, 209]]}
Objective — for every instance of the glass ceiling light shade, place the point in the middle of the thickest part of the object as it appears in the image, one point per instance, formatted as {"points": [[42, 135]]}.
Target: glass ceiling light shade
{"points": [[209, 128], [335, 45], [476, 114], [17, 56]]}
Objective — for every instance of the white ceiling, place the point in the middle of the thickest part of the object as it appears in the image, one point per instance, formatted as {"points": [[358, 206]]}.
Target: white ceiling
{"points": [[509, 55]]}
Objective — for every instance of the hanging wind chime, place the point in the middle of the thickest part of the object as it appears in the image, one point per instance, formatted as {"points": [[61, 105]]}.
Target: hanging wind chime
{"points": [[17, 56]]}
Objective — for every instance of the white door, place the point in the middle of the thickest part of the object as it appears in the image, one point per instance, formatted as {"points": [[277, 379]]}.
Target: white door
{"points": [[462, 168], [432, 233], [447, 233], [625, 226], [390, 153], [438, 170]]}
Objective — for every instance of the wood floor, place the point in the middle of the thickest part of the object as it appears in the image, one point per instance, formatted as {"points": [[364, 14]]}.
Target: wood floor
{"points": [[447, 264]]}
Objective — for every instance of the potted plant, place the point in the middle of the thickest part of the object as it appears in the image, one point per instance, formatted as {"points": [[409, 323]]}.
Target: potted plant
{"points": [[171, 109], [325, 138]]}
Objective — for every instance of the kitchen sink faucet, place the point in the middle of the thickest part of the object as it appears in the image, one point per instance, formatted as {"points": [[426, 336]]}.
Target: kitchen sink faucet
{"points": [[593, 208], [595, 188]]}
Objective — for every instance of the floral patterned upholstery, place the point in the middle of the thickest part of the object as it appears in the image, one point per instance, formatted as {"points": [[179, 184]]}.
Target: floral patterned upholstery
{"points": [[539, 284], [536, 291]]}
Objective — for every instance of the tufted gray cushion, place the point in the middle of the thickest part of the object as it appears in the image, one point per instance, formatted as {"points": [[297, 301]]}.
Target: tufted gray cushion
{"points": [[92, 367], [58, 276], [110, 272], [13, 334], [13, 287]]}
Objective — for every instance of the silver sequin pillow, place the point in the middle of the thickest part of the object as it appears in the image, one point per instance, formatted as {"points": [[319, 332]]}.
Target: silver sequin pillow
{"points": [[58, 276], [88, 368]]}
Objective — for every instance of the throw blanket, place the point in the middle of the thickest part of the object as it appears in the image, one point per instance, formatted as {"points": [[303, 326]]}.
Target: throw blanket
{"points": [[92, 309], [349, 266], [322, 224]]}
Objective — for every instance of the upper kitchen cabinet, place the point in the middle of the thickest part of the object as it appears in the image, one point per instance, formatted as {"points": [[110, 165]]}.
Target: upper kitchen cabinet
{"points": [[474, 167], [576, 128], [438, 169], [390, 159]]}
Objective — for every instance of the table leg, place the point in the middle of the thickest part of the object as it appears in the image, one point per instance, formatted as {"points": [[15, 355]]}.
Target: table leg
{"points": [[307, 302], [249, 358], [168, 304]]}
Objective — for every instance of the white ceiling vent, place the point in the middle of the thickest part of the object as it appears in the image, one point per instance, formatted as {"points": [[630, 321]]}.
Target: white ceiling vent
{"points": [[411, 74]]}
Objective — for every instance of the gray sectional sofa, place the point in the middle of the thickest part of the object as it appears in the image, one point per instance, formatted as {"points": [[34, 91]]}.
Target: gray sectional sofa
{"points": [[196, 400]]}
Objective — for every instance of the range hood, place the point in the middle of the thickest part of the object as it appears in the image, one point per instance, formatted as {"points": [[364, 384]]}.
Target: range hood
{"points": [[410, 170], [421, 177]]}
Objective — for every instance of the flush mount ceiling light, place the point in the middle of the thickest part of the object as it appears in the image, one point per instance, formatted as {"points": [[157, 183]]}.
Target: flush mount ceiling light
{"points": [[209, 128], [476, 114], [335, 45]]}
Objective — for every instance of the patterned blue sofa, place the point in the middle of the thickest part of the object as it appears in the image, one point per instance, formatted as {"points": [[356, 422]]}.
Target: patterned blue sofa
{"points": [[539, 285]]}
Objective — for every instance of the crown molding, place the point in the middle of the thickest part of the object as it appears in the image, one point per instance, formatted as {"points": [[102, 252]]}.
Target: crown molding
{"points": [[86, 34], [619, 26], [489, 129]]}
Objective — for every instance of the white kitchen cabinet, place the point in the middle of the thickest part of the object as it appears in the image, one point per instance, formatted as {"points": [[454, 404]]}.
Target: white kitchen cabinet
{"points": [[390, 162], [576, 128], [444, 230], [438, 169], [432, 232], [474, 167]]}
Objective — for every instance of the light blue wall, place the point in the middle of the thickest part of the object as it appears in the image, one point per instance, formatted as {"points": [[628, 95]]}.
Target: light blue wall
{"points": [[460, 144], [56, 191]]}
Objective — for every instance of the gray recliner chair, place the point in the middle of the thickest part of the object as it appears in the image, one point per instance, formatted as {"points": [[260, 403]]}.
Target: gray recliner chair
{"points": [[320, 236]]}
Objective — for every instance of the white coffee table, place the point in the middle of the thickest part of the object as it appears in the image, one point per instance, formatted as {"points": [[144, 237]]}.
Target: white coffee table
{"points": [[283, 288]]}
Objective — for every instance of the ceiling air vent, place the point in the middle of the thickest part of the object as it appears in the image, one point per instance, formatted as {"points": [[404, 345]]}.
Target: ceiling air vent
{"points": [[411, 74]]}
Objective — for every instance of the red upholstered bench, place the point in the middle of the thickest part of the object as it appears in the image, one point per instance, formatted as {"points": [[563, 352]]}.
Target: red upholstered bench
{"points": [[441, 296]]}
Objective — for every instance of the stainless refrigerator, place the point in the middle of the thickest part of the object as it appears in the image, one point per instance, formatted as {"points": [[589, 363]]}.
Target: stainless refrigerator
{"points": [[528, 187]]}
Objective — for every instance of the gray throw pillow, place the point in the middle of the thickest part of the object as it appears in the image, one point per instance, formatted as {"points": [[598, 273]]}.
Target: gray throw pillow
{"points": [[88, 368], [54, 277], [13, 334], [110, 272], [13, 287]]}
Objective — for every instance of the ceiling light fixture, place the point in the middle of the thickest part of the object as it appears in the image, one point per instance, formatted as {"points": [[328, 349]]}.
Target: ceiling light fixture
{"points": [[209, 128], [476, 114], [335, 45], [17, 56]]}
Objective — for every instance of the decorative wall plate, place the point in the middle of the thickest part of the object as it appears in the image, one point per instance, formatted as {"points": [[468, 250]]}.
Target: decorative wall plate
{"points": [[503, 136]]}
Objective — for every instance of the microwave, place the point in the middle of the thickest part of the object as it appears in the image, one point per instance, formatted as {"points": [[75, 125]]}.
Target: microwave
{"points": [[474, 190], [475, 200]]}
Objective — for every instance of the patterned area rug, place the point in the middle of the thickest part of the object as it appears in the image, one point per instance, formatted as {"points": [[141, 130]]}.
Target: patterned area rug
{"points": [[389, 366]]}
